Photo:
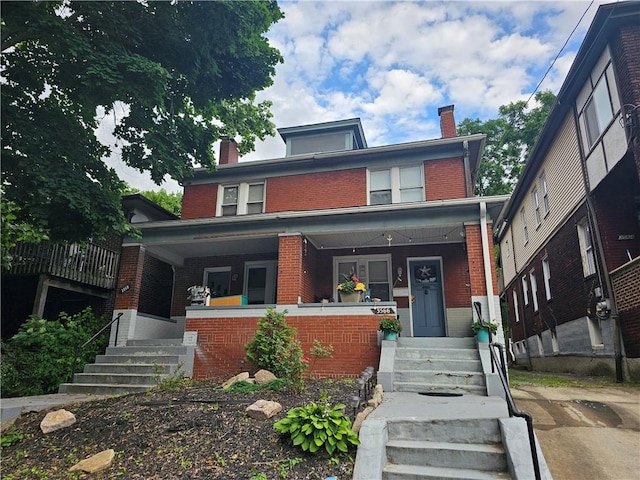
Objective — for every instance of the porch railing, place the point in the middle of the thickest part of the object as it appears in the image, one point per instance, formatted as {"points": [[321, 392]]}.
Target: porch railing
{"points": [[501, 367], [86, 263]]}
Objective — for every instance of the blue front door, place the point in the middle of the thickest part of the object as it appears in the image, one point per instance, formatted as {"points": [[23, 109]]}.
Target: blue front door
{"points": [[427, 307]]}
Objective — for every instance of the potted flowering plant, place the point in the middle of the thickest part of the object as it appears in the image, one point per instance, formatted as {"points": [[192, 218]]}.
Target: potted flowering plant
{"points": [[351, 289], [390, 327], [481, 328]]}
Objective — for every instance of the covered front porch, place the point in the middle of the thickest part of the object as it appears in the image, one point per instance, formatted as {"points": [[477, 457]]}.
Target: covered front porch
{"points": [[425, 263]]}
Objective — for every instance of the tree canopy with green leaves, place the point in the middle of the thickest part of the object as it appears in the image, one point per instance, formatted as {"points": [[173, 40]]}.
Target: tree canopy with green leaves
{"points": [[170, 201], [510, 138], [186, 73]]}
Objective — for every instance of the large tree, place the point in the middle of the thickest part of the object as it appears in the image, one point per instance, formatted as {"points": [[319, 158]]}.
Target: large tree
{"points": [[186, 73], [510, 138]]}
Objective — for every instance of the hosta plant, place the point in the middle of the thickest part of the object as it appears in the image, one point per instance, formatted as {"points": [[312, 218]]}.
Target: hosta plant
{"points": [[318, 425]]}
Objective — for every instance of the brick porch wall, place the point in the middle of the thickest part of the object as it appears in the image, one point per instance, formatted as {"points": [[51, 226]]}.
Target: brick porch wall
{"points": [[354, 339], [476, 260], [626, 284]]}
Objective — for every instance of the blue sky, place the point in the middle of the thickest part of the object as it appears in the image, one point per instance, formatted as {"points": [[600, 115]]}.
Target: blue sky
{"points": [[394, 63]]}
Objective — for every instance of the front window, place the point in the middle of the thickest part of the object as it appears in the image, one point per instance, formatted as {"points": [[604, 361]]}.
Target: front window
{"points": [[242, 199], [396, 185], [516, 313], [534, 290], [373, 270], [586, 249], [546, 273]]}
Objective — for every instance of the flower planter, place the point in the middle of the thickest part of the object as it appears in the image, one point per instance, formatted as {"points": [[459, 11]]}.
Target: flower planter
{"points": [[350, 297], [483, 335], [390, 335]]}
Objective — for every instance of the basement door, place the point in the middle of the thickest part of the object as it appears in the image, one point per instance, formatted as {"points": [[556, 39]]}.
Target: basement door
{"points": [[427, 308]]}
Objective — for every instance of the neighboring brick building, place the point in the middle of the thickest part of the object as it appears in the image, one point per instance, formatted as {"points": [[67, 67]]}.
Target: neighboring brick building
{"points": [[570, 235], [284, 231]]}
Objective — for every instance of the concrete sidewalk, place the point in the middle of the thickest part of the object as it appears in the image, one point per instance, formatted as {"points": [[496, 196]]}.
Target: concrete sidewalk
{"points": [[12, 408], [586, 432]]}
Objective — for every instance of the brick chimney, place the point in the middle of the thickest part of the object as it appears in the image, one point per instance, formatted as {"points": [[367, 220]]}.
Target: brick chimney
{"points": [[447, 122], [228, 151]]}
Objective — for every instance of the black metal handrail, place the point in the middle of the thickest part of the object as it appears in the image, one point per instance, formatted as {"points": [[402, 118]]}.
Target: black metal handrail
{"points": [[513, 410], [96, 335]]}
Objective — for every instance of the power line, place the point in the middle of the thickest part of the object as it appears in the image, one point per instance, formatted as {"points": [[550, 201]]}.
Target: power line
{"points": [[559, 53]]}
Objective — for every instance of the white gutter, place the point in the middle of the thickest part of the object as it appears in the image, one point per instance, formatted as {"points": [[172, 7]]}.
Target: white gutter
{"points": [[486, 252]]}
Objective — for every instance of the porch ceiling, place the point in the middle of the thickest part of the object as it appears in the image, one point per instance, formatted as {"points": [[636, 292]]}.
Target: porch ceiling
{"points": [[268, 243]]}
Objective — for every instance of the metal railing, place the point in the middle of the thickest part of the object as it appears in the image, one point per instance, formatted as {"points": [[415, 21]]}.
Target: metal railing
{"points": [[86, 263], [513, 410], [96, 335]]}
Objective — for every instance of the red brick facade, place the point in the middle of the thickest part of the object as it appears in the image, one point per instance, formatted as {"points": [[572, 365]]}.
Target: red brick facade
{"points": [[625, 285], [290, 270], [346, 188], [476, 260], [354, 341], [444, 179], [199, 201], [130, 278]]}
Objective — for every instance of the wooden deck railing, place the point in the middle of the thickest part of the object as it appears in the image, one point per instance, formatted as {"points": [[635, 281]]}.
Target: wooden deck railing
{"points": [[86, 263]]}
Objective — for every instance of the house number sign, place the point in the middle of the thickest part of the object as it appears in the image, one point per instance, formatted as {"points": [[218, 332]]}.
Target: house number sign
{"points": [[383, 311]]}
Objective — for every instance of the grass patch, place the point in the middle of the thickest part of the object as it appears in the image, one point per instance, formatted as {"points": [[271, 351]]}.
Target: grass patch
{"points": [[520, 378]]}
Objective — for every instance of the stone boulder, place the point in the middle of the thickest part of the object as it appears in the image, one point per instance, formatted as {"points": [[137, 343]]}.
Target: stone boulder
{"points": [[96, 463], [264, 376], [263, 409], [237, 378], [56, 420]]}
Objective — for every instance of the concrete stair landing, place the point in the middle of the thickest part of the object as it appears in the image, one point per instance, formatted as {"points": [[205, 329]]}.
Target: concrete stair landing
{"points": [[135, 367]]}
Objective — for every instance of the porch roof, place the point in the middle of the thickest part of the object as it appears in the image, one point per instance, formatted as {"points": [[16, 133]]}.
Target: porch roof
{"points": [[356, 227]]}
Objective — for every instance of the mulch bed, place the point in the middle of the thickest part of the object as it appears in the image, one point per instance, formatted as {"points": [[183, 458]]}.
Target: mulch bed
{"points": [[199, 432]]}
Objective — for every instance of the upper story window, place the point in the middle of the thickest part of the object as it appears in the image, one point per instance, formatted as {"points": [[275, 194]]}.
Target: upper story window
{"points": [[536, 205], [598, 112], [545, 194], [396, 185], [241, 199], [525, 229], [534, 289], [586, 248]]}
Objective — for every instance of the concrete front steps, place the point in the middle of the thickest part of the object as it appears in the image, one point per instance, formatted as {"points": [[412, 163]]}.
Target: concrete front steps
{"points": [[136, 367], [459, 448], [438, 365]]}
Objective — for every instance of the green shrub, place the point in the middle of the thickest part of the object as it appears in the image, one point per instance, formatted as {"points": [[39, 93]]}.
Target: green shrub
{"points": [[242, 386], [38, 358], [318, 425], [275, 348]]}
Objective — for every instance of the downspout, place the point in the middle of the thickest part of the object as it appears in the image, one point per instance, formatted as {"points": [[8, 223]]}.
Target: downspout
{"points": [[467, 168], [486, 255]]}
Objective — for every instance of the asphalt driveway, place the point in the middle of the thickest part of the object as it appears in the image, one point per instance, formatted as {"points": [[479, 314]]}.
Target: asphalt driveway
{"points": [[585, 432]]}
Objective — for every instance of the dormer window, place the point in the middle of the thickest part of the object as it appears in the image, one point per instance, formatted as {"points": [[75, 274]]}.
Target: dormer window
{"points": [[241, 199]]}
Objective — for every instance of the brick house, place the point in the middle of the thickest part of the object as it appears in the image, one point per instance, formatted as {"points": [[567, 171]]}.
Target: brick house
{"points": [[283, 231], [570, 234]]}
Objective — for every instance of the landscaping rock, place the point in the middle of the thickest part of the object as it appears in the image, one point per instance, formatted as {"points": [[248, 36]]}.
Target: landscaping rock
{"points": [[237, 378], [357, 423], [264, 376], [56, 420], [263, 409], [96, 463]]}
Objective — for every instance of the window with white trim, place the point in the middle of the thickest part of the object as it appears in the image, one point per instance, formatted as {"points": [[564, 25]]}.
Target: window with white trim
{"points": [[373, 270], [515, 306], [546, 274], [536, 205], [597, 113], [545, 194], [241, 199], [396, 185], [525, 290], [534, 289], [586, 248], [525, 229]]}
